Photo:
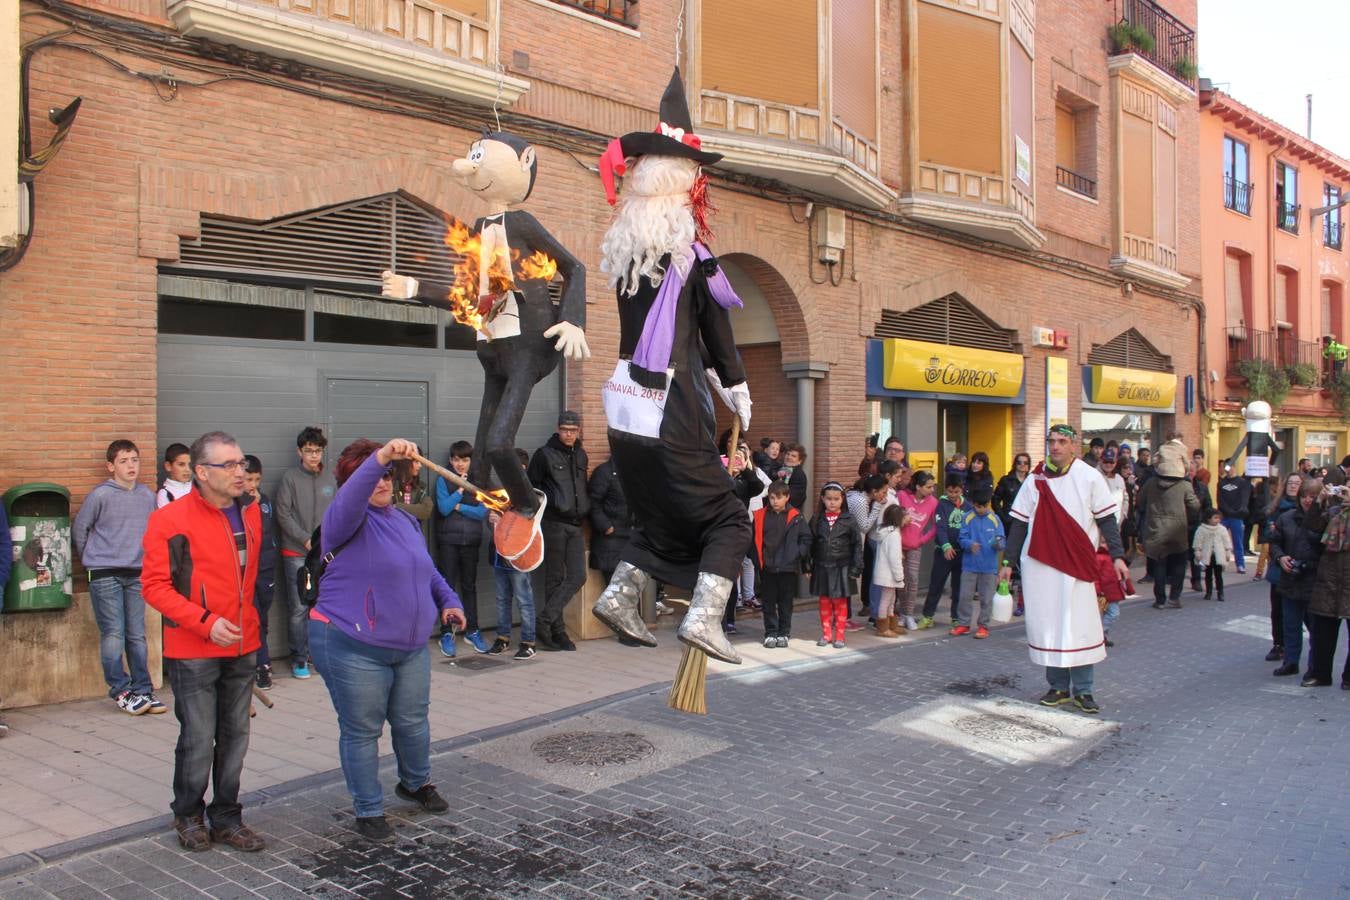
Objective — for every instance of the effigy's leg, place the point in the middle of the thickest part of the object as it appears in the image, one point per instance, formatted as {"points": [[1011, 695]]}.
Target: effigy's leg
{"points": [[702, 625]]}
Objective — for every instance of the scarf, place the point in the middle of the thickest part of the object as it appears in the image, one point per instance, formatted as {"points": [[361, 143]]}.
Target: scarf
{"points": [[651, 358], [1058, 541]]}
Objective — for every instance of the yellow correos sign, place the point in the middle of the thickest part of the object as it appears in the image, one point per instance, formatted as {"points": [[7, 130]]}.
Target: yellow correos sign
{"points": [[944, 369], [1114, 386]]}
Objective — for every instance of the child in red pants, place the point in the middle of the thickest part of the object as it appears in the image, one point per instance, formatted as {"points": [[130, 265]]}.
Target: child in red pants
{"points": [[836, 561]]}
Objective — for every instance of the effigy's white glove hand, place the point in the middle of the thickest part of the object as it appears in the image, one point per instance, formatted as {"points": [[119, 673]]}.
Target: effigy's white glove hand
{"points": [[736, 398], [571, 341], [400, 287]]}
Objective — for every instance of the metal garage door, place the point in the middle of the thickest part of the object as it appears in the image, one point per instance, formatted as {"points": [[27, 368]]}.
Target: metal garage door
{"points": [[264, 392]]}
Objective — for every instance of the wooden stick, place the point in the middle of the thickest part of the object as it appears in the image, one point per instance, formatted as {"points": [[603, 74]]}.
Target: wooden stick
{"points": [[733, 445], [262, 695], [454, 478]]}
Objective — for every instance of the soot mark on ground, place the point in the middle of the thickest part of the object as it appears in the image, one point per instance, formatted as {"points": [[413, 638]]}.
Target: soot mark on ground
{"points": [[604, 855], [983, 687]]}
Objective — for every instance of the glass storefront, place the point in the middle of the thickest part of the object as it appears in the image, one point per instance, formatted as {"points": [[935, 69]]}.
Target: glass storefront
{"points": [[1135, 429]]}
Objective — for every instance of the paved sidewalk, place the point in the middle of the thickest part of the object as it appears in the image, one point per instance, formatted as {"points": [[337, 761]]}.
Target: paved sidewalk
{"points": [[923, 769], [72, 770]]}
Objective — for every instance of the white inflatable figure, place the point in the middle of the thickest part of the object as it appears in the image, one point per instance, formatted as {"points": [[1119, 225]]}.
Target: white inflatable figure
{"points": [[1258, 443]]}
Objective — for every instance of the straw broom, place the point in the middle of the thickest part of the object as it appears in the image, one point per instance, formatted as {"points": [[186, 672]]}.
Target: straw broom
{"points": [[688, 692]]}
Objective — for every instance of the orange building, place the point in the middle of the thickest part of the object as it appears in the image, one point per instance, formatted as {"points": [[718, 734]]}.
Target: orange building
{"points": [[1275, 270]]}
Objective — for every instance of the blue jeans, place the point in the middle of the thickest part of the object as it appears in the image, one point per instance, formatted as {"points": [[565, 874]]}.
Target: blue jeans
{"points": [[1237, 528], [210, 700], [120, 613], [369, 686], [297, 614], [1077, 680], [1294, 609], [264, 590], [1109, 617], [517, 584]]}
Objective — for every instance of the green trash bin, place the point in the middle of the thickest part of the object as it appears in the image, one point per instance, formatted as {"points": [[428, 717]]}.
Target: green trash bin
{"points": [[39, 525]]}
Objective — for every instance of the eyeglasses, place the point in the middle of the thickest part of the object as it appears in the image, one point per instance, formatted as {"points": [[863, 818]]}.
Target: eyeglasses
{"points": [[311, 451], [230, 465]]}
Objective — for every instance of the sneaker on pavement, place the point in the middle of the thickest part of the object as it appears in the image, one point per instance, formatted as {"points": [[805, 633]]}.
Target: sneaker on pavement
{"points": [[524, 651], [729, 628], [663, 610], [1085, 703], [426, 797], [133, 704], [851, 625], [1055, 698], [839, 645], [264, 678], [781, 642], [476, 639], [960, 630], [822, 643], [374, 828], [1020, 610], [1276, 653], [156, 707], [911, 623], [981, 633], [770, 642], [4, 728], [300, 670], [1108, 642], [925, 623], [500, 645], [447, 650]]}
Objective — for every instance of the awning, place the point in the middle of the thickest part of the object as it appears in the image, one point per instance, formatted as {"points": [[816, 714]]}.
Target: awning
{"points": [[1129, 390], [919, 369]]}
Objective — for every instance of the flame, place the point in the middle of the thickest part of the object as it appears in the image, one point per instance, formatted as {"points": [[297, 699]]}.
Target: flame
{"points": [[466, 287], [498, 500]]}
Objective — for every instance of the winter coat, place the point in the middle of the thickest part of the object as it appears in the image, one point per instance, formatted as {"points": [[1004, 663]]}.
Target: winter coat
{"points": [[921, 526], [1331, 590], [560, 472], [949, 518], [1004, 495], [1108, 581], [889, 568], [792, 551], [836, 555], [982, 541], [1235, 497], [1213, 544], [1168, 508], [609, 510], [795, 477], [301, 499], [462, 527], [979, 479], [1298, 535]]}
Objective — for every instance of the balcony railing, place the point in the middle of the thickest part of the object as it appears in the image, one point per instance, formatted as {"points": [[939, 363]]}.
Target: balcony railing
{"points": [[1333, 234], [622, 12], [1237, 195], [1146, 28], [1079, 184], [1301, 361], [1286, 216]]}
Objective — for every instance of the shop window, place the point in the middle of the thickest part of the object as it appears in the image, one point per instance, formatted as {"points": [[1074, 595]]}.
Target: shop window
{"points": [[207, 318]]}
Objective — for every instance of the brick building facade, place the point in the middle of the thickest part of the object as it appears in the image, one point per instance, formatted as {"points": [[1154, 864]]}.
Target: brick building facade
{"points": [[180, 140]]}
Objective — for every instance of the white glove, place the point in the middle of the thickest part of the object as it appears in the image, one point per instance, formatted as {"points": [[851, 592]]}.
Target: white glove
{"points": [[571, 341], [400, 287], [736, 398]]}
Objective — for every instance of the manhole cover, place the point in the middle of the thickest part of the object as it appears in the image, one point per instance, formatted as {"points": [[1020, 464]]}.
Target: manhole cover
{"points": [[593, 748], [1007, 729]]}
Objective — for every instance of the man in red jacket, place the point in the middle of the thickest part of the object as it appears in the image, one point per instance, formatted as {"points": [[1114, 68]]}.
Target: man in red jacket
{"points": [[201, 560]]}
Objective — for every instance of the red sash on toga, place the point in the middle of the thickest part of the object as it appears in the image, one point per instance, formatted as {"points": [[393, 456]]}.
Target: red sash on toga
{"points": [[1058, 541]]}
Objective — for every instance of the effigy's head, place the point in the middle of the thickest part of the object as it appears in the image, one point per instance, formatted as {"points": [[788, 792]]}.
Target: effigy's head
{"points": [[499, 167], [1257, 415]]}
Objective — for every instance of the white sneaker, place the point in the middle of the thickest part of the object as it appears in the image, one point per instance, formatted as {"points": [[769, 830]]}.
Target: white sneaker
{"points": [[133, 704], [770, 643], [663, 610], [911, 624]]}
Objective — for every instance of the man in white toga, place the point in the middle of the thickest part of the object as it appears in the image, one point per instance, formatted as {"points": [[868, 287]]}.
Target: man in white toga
{"points": [[1061, 514]]}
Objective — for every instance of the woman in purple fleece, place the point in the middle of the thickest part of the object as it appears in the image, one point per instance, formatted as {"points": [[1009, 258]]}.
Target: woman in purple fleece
{"points": [[379, 600]]}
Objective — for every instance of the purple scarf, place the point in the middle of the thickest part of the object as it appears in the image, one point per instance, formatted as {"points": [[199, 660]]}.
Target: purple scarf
{"points": [[651, 358]]}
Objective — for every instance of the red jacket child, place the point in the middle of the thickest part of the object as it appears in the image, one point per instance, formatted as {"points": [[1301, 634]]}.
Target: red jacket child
{"points": [[1108, 582]]}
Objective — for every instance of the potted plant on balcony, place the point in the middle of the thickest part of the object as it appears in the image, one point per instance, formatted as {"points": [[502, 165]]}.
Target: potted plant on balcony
{"points": [[1185, 68], [1301, 374], [1127, 36], [1339, 388], [1265, 381]]}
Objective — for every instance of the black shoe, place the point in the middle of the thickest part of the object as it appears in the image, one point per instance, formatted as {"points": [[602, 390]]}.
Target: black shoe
{"points": [[1195, 585], [561, 639], [543, 637], [1085, 703], [1276, 653], [1109, 642], [1219, 598], [1345, 684], [1147, 579], [524, 651], [374, 828], [1157, 604], [1310, 681], [264, 678], [499, 646], [426, 797], [1055, 698], [1286, 669], [1209, 595]]}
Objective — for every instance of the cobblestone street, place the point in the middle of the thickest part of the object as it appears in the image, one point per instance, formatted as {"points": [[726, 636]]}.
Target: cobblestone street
{"points": [[916, 770]]}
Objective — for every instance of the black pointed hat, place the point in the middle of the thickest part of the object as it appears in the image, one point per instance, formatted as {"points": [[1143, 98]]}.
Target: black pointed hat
{"points": [[674, 136]]}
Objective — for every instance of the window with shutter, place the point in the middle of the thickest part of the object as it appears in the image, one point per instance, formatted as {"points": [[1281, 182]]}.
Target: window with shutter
{"points": [[1237, 289], [1130, 350], [948, 320]]}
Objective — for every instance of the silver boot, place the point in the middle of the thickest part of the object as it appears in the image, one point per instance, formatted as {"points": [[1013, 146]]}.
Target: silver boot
{"points": [[702, 625], [618, 606]]}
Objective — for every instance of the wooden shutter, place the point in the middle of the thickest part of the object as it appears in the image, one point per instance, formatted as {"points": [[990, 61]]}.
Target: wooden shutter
{"points": [[1282, 296], [1066, 144], [948, 320], [1138, 186], [853, 57], [1130, 350], [960, 89], [781, 67], [1234, 301]]}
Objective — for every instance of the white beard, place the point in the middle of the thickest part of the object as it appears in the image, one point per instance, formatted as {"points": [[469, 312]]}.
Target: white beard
{"points": [[653, 218]]}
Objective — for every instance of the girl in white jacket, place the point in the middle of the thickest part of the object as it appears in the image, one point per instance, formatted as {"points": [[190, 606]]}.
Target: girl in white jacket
{"points": [[1213, 550], [888, 573]]}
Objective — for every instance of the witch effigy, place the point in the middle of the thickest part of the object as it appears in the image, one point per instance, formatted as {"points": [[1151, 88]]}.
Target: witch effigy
{"points": [[675, 346], [509, 260]]}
